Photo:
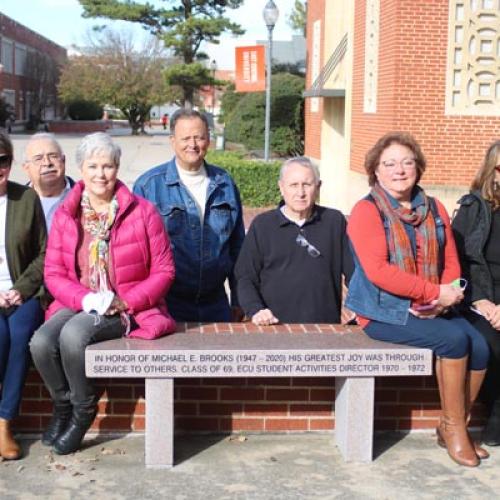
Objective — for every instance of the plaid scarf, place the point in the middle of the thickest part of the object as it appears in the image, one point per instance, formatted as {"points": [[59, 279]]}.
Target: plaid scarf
{"points": [[99, 226], [421, 218]]}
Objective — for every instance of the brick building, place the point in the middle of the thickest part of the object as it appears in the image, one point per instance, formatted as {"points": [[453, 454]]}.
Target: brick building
{"points": [[29, 70], [429, 68]]}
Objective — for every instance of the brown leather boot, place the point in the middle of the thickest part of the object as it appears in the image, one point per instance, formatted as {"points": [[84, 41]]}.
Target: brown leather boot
{"points": [[452, 428], [473, 384], [475, 381], [9, 449]]}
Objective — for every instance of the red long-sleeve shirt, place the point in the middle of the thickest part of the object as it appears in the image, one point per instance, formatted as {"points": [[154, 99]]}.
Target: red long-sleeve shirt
{"points": [[367, 234]]}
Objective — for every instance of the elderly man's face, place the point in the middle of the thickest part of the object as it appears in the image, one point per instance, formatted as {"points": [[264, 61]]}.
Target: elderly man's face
{"points": [[299, 190], [45, 165], [190, 142]]}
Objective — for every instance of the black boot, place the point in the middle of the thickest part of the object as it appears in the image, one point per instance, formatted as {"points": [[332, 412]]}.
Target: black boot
{"points": [[491, 431], [58, 423], [71, 439]]}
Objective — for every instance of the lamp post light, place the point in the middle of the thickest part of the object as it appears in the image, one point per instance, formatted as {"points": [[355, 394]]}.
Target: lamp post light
{"points": [[213, 67], [270, 14]]}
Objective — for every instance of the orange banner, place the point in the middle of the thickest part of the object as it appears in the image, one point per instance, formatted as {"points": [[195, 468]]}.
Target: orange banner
{"points": [[251, 68]]}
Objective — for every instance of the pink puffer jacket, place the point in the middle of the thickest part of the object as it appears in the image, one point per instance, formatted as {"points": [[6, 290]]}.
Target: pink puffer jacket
{"points": [[143, 264]]}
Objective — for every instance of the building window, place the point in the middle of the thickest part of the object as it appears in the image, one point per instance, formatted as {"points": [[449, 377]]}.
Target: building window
{"points": [[7, 55], [20, 59], [473, 80], [10, 98]]}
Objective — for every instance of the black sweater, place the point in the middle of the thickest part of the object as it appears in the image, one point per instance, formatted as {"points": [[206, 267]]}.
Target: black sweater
{"points": [[273, 271]]}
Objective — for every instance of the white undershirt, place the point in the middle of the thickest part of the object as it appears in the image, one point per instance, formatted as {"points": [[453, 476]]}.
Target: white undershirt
{"points": [[196, 182], [51, 203], [5, 279], [299, 223]]}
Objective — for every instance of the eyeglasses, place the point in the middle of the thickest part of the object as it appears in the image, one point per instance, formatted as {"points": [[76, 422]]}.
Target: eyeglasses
{"points": [[5, 161], [406, 163], [51, 157], [311, 249]]}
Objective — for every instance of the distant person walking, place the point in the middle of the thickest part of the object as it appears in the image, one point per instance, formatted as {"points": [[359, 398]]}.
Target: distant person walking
{"points": [[164, 121]]}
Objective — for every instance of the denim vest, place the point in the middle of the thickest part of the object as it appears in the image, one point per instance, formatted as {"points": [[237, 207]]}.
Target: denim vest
{"points": [[204, 251], [372, 302]]}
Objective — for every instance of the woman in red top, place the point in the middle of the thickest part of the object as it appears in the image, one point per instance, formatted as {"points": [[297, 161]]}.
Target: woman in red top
{"points": [[405, 284]]}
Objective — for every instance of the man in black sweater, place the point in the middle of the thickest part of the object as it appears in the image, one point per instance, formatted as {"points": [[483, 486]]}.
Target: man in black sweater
{"points": [[291, 264]]}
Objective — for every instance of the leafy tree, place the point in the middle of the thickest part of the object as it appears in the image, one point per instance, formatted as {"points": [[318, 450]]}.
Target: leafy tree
{"points": [[112, 70], [244, 116], [297, 19], [182, 26]]}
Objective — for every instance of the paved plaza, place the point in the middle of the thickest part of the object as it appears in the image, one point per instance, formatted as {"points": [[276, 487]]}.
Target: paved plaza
{"points": [[139, 153], [265, 466]]}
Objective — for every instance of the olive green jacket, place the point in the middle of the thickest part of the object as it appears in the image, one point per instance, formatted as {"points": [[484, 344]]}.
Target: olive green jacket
{"points": [[25, 240]]}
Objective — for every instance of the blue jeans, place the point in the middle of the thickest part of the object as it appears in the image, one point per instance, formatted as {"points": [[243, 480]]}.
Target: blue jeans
{"points": [[211, 309], [16, 328], [449, 336]]}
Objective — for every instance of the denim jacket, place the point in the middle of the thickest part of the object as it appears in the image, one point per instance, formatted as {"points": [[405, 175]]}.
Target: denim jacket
{"points": [[372, 302], [204, 254]]}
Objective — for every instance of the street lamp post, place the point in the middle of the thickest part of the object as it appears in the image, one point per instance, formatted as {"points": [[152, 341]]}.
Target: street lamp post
{"points": [[270, 14], [213, 67]]}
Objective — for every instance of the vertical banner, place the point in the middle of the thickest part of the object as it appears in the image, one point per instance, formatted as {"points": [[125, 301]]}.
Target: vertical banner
{"points": [[251, 68]]}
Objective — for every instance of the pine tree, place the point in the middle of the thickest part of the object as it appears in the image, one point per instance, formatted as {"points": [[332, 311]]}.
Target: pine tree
{"points": [[183, 26]]}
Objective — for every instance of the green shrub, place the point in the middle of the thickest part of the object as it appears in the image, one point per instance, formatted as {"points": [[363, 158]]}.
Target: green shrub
{"points": [[257, 180], [244, 116], [84, 110]]}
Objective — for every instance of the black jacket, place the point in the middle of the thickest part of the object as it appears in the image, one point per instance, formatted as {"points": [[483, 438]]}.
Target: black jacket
{"points": [[471, 227], [273, 271]]}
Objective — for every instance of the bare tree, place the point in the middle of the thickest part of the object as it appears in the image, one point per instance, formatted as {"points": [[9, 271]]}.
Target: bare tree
{"points": [[42, 73], [115, 70]]}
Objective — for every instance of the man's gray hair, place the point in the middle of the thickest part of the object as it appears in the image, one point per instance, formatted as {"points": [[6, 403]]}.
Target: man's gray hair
{"points": [[41, 136], [97, 143], [303, 161]]}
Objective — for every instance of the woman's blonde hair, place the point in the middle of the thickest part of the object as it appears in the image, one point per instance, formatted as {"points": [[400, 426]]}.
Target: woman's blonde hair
{"points": [[484, 181]]}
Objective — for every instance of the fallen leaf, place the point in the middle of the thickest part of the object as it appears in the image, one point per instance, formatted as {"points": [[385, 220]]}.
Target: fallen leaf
{"points": [[238, 438], [20, 468], [60, 467], [76, 473]]}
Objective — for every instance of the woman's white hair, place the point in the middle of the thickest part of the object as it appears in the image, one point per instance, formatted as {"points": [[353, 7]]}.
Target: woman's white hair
{"points": [[96, 143], [305, 162]]}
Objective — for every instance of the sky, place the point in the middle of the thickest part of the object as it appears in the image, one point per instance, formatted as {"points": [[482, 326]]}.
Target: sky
{"points": [[61, 21]]}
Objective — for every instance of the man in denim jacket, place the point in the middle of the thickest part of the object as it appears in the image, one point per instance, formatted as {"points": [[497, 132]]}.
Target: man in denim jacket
{"points": [[201, 210]]}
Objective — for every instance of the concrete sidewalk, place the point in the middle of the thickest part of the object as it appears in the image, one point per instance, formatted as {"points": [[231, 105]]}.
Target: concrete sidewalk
{"points": [[264, 466], [139, 153]]}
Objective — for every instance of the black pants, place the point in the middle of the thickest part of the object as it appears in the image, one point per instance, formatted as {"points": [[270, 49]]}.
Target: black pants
{"points": [[490, 391]]}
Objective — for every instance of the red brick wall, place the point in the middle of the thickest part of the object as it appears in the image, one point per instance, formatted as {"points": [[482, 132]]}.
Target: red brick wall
{"points": [[248, 404], [78, 126], [315, 11], [411, 92]]}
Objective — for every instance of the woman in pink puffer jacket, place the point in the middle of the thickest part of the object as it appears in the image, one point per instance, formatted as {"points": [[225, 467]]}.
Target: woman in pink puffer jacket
{"points": [[108, 266]]}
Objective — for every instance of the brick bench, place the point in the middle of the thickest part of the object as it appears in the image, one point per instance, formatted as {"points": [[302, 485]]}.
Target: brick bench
{"points": [[245, 350]]}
